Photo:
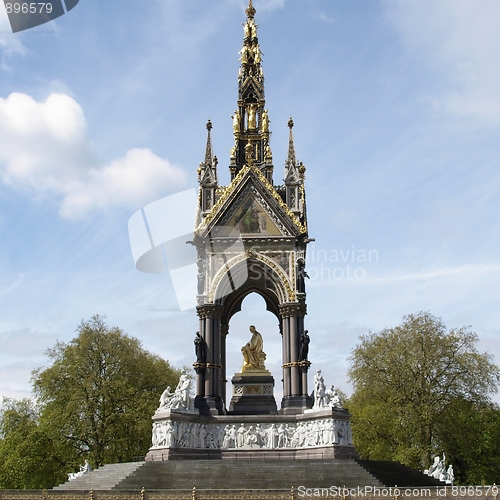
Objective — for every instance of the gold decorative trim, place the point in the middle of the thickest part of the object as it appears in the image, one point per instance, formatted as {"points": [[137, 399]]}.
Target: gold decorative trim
{"points": [[296, 363], [229, 190], [207, 365], [291, 296], [302, 227]]}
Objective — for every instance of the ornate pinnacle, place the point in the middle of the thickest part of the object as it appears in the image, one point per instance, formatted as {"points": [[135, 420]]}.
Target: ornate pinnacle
{"points": [[250, 10], [208, 151], [291, 148]]}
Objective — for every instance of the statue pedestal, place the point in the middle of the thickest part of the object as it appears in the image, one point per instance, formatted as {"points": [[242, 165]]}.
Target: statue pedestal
{"points": [[253, 393]]}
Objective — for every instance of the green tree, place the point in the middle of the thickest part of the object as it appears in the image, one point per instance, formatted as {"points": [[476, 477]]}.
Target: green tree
{"points": [[470, 434], [100, 392], [29, 458], [407, 383]]}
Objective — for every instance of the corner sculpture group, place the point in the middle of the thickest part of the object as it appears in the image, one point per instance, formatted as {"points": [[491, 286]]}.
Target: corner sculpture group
{"points": [[179, 399], [438, 470]]}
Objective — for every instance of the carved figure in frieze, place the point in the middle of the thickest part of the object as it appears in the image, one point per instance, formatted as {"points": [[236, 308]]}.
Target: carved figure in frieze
{"points": [[240, 436], [251, 437], [229, 437], [272, 437], [261, 435]]}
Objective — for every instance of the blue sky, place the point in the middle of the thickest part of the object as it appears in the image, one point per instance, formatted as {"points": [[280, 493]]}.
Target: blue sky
{"points": [[396, 107]]}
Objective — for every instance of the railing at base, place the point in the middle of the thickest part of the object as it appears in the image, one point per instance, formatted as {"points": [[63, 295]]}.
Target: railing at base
{"points": [[345, 493]]}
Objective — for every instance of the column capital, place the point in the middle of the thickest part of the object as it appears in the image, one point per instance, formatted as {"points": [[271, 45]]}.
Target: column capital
{"points": [[292, 309], [210, 311]]}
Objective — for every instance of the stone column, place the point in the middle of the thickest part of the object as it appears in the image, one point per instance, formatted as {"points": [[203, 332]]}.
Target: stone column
{"points": [[295, 397], [294, 355], [208, 399], [223, 374], [286, 356]]}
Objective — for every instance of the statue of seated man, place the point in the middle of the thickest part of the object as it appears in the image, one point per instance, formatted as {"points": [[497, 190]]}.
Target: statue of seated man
{"points": [[253, 353]]}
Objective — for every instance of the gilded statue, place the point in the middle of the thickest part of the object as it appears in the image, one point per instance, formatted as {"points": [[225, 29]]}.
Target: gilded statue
{"points": [[236, 121], [247, 30], [268, 154], [257, 54], [244, 55], [265, 121], [253, 352], [252, 117], [249, 150]]}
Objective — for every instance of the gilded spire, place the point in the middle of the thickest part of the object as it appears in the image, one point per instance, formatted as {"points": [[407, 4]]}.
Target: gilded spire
{"points": [[251, 120]]}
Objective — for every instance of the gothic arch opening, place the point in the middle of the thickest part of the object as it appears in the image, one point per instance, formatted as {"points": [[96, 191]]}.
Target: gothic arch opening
{"points": [[253, 312]]}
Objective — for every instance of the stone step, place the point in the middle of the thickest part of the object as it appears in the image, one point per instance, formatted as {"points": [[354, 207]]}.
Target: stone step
{"points": [[103, 478], [248, 474], [394, 473]]}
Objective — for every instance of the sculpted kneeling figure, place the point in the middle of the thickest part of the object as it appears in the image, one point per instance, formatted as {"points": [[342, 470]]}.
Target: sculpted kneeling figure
{"points": [[253, 352]]}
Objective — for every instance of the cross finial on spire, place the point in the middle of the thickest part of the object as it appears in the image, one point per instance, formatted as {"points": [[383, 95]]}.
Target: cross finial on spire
{"points": [[250, 10]]}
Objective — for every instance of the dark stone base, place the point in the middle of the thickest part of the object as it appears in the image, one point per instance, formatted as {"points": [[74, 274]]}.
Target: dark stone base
{"points": [[209, 405], [161, 455], [293, 405], [253, 395], [316, 453]]}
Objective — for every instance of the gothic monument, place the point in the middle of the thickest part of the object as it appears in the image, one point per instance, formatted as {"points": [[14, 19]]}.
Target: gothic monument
{"points": [[251, 236]]}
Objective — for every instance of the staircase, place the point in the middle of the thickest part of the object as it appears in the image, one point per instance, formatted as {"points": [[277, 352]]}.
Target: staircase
{"points": [[224, 474], [394, 473], [232, 474], [248, 474], [104, 478]]}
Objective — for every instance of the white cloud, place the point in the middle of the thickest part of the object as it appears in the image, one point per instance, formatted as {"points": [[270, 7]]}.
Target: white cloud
{"points": [[44, 148], [323, 17], [460, 38]]}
